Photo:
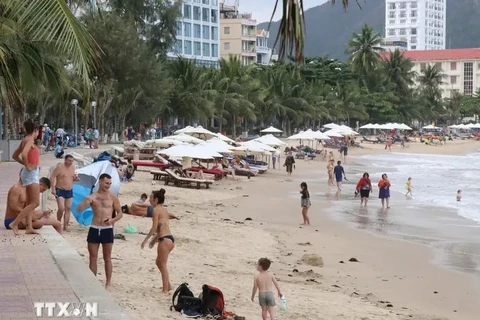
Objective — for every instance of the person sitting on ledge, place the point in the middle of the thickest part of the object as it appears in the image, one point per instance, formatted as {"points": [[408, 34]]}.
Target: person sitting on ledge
{"points": [[16, 201], [140, 208], [58, 152]]}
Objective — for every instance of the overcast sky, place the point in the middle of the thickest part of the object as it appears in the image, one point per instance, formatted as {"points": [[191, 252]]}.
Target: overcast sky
{"points": [[262, 9]]}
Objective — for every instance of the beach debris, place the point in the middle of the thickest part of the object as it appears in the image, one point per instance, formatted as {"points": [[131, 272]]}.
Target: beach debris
{"points": [[239, 222], [119, 236], [353, 260], [341, 261], [239, 188], [311, 280], [313, 260], [246, 196], [219, 205], [289, 275], [335, 286], [142, 233], [295, 270], [288, 254], [435, 292], [248, 219], [226, 219], [389, 305], [304, 244], [310, 274]]}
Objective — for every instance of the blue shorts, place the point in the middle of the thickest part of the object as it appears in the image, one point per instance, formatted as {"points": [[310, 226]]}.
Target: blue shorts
{"points": [[149, 211], [29, 177], [339, 179], [7, 222], [65, 194]]}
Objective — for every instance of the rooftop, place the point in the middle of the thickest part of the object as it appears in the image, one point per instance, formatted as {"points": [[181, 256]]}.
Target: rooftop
{"points": [[438, 55]]}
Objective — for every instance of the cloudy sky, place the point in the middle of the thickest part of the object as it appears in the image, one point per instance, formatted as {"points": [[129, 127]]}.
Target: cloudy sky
{"points": [[262, 9]]}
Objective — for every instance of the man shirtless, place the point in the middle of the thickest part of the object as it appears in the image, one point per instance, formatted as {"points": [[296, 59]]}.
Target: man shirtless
{"points": [[103, 203], [62, 179], [16, 201]]}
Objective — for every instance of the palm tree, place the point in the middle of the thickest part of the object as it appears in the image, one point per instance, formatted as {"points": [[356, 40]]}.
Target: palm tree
{"points": [[398, 70], [364, 48], [292, 27], [430, 80]]}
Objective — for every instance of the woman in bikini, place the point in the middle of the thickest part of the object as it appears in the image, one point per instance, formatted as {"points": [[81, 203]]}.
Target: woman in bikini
{"points": [[162, 235], [28, 155]]}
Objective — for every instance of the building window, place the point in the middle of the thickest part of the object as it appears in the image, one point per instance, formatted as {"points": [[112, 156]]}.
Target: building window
{"points": [[197, 48], [196, 31], [413, 40], [403, 32], [453, 79], [214, 2], [413, 31], [206, 32], [207, 2], [391, 6], [403, 14], [413, 13], [423, 66], [413, 47], [187, 11], [403, 5], [226, 30], [187, 47], [178, 47], [468, 78], [391, 15], [226, 46], [391, 32], [214, 50], [453, 66], [187, 29], [205, 16], [214, 33], [438, 65], [413, 5], [178, 30], [391, 21], [206, 49], [414, 21], [197, 13], [214, 16]]}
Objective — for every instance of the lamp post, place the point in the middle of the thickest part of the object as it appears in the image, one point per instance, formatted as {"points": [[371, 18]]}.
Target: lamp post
{"points": [[94, 106], [74, 105]]}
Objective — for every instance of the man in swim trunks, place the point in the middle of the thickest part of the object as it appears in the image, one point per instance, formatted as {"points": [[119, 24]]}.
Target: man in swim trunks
{"points": [[102, 202], [16, 201], [339, 175], [62, 179], [140, 208]]}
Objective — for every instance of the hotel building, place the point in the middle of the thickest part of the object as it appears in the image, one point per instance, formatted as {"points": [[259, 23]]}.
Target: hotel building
{"points": [[422, 22]]}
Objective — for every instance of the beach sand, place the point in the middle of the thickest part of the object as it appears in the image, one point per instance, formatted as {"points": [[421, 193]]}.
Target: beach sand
{"points": [[215, 245]]}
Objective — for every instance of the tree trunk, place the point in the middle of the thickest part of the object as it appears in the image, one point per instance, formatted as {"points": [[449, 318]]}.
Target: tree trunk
{"points": [[11, 122], [234, 127], [5, 109]]}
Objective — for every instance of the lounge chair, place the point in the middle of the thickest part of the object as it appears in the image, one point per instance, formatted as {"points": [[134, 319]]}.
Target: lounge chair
{"points": [[180, 181], [158, 175], [217, 173], [371, 140], [85, 161], [146, 163]]}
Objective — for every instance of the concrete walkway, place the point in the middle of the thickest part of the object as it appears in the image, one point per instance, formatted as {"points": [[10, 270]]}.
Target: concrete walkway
{"points": [[44, 268]]}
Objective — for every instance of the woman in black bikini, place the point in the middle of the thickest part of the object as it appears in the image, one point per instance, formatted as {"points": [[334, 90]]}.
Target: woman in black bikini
{"points": [[162, 235]]}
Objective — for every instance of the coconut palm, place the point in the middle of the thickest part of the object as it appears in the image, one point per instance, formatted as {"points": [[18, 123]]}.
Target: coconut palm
{"points": [[291, 33], [430, 80], [398, 70]]}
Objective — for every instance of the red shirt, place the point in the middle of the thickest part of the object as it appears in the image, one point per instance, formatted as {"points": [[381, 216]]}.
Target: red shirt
{"points": [[363, 182]]}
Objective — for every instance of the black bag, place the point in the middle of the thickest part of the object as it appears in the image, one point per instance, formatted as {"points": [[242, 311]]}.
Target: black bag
{"points": [[185, 300]]}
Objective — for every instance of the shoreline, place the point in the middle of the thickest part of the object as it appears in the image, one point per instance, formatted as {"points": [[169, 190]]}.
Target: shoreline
{"points": [[218, 247]]}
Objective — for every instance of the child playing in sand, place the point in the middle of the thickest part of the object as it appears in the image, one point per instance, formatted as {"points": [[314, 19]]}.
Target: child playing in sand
{"points": [[263, 282], [409, 188], [459, 195]]}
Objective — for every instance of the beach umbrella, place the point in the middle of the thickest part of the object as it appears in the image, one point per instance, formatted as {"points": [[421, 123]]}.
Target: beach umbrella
{"points": [[404, 127], [270, 140], [195, 152], [367, 126], [431, 127], [164, 142], [185, 138], [200, 132], [183, 130], [294, 137], [218, 145], [331, 125], [303, 135], [320, 135], [223, 138], [88, 183], [271, 129], [252, 144], [333, 133]]}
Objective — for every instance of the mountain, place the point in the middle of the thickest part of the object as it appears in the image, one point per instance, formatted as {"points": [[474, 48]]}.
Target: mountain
{"points": [[329, 28]]}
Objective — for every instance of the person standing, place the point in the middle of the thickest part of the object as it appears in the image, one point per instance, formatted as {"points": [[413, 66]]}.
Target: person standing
{"points": [[96, 137], [330, 167], [62, 179], [289, 162], [364, 187], [339, 175], [103, 203], [305, 202], [28, 155], [384, 191]]}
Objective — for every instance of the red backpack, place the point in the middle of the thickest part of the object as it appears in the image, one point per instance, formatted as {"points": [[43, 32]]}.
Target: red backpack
{"points": [[212, 301]]}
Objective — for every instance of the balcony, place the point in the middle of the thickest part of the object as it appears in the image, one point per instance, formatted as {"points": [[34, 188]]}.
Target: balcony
{"points": [[263, 50], [249, 52]]}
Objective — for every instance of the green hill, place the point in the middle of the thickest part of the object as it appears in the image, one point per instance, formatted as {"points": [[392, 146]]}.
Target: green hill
{"points": [[329, 28]]}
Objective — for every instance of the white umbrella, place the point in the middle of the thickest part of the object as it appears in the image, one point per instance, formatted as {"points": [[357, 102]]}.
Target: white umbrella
{"points": [[185, 138], [331, 125], [404, 127], [367, 126], [200, 132], [270, 140], [271, 129], [218, 145], [303, 135], [196, 152], [250, 145], [294, 136], [320, 135], [223, 137], [431, 127], [333, 133], [183, 130], [163, 143]]}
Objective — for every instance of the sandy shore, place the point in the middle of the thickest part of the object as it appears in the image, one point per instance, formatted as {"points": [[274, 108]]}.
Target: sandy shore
{"points": [[215, 245]]}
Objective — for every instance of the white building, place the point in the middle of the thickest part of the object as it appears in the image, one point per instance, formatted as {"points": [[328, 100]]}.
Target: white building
{"points": [[264, 53], [423, 22], [461, 68], [197, 32]]}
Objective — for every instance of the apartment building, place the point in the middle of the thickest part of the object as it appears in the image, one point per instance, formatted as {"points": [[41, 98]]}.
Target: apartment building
{"points": [[197, 32], [265, 55], [238, 34], [461, 68], [422, 22]]}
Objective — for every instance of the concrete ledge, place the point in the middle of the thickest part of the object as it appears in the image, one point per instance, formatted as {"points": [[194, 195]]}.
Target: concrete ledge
{"points": [[83, 282]]}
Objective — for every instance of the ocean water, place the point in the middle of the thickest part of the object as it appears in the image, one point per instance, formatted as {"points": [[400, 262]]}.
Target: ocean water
{"points": [[435, 178]]}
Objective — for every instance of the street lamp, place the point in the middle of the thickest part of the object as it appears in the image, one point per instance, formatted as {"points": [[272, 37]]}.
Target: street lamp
{"points": [[75, 104], [94, 105]]}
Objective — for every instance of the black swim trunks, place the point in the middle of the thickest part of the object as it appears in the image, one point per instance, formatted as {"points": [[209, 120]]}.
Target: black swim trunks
{"points": [[65, 194], [100, 234]]}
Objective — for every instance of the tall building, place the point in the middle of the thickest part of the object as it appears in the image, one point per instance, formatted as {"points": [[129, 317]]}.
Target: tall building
{"points": [[265, 55], [422, 22], [238, 34], [197, 32]]}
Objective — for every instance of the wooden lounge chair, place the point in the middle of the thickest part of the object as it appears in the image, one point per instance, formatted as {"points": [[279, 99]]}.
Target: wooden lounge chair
{"points": [[158, 175], [181, 181]]}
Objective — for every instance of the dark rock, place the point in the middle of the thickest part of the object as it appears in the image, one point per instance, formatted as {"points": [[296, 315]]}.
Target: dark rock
{"points": [[436, 292], [389, 305], [248, 219], [295, 270], [246, 196], [335, 286], [353, 260], [341, 261]]}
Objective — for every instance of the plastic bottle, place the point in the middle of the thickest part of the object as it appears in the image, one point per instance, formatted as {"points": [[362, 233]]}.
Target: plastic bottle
{"points": [[283, 304]]}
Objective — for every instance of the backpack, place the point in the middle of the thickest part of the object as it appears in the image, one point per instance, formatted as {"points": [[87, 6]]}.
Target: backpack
{"points": [[212, 301], [186, 301]]}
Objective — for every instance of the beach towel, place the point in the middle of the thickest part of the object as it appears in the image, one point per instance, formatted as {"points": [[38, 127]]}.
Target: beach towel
{"points": [[88, 184]]}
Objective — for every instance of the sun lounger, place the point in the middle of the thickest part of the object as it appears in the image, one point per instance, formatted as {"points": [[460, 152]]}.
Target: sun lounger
{"points": [[146, 163], [85, 161], [158, 175], [217, 173], [181, 182]]}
